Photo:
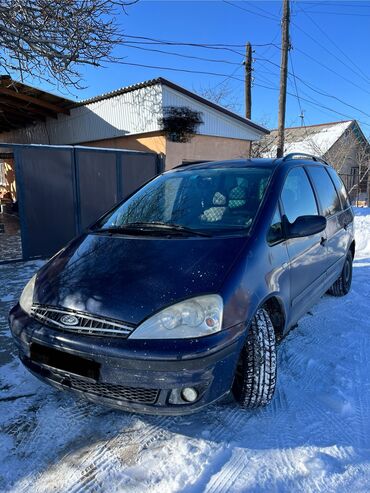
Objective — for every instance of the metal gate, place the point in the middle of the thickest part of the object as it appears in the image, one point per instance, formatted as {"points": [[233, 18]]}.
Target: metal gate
{"points": [[63, 189]]}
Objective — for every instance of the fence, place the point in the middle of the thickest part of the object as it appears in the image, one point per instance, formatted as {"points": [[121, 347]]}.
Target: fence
{"points": [[63, 189], [356, 187]]}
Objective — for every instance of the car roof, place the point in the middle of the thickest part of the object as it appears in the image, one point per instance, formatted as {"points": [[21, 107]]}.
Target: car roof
{"points": [[286, 161]]}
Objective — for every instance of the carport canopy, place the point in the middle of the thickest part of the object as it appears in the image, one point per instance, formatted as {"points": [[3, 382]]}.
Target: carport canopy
{"points": [[22, 105]]}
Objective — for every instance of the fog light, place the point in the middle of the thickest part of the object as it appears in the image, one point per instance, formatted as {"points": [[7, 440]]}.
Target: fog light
{"points": [[189, 394]]}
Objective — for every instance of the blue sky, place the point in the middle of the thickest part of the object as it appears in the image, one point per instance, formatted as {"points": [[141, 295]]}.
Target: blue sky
{"points": [[330, 54]]}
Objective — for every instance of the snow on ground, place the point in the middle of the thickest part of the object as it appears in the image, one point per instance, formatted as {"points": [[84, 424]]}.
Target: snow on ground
{"points": [[314, 437]]}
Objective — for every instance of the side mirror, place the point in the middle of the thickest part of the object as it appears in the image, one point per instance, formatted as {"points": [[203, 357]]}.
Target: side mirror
{"points": [[304, 226]]}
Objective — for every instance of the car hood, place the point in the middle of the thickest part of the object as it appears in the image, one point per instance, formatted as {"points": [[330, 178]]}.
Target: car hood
{"points": [[129, 278]]}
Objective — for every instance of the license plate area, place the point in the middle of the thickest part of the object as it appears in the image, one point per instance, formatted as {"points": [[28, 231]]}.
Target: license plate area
{"points": [[64, 362]]}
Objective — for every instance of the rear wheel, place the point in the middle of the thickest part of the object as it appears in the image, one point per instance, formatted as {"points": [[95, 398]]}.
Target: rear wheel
{"points": [[342, 285], [255, 376]]}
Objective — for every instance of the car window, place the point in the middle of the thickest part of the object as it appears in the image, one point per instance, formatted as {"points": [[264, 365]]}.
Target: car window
{"points": [[297, 196], [275, 233], [209, 200], [327, 194], [341, 189]]}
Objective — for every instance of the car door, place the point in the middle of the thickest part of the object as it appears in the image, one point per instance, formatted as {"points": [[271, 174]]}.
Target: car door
{"points": [[330, 207], [307, 255]]}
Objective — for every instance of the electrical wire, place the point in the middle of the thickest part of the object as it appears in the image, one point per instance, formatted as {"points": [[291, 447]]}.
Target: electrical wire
{"points": [[174, 69], [271, 17], [315, 89], [328, 51], [185, 43], [358, 69], [182, 55]]}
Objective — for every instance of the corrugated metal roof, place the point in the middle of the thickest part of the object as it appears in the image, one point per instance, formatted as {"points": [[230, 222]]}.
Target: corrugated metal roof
{"points": [[168, 83]]}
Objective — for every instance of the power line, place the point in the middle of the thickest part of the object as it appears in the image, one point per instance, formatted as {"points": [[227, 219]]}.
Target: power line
{"points": [[174, 69], [228, 77], [315, 104], [269, 16], [351, 82], [346, 14], [359, 70], [295, 83], [326, 49], [182, 55], [323, 47], [338, 4], [318, 90], [185, 43]]}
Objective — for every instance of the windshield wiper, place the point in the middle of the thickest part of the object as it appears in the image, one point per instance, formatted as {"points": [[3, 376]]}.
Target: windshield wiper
{"points": [[114, 230], [147, 226], [157, 225]]}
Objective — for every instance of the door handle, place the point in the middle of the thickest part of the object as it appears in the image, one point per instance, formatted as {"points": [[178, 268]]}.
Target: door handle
{"points": [[323, 241]]}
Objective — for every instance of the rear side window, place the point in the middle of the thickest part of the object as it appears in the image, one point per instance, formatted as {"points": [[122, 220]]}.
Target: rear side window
{"points": [[327, 194], [297, 196], [341, 189]]}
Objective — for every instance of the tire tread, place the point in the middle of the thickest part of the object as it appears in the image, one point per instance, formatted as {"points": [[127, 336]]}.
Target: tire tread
{"points": [[257, 364]]}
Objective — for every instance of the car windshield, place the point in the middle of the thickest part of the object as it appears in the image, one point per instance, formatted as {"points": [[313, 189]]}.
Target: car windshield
{"points": [[210, 201]]}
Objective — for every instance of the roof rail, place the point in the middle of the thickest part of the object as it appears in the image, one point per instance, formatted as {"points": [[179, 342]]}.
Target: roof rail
{"points": [[190, 163], [291, 155]]}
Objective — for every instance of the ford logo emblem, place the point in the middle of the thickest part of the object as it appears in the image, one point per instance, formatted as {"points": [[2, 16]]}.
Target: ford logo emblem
{"points": [[69, 320]]}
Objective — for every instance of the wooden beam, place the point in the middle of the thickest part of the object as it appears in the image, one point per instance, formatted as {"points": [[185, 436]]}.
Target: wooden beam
{"points": [[3, 128], [33, 100], [10, 112], [8, 104], [17, 119]]}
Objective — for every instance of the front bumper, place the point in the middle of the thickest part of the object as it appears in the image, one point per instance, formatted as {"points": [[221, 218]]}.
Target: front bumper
{"points": [[135, 375]]}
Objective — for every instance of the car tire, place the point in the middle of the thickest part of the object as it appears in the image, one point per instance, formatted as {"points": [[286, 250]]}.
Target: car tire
{"points": [[255, 376], [342, 285]]}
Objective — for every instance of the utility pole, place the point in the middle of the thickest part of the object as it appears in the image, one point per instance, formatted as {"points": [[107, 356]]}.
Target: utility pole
{"points": [[248, 80], [283, 77]]}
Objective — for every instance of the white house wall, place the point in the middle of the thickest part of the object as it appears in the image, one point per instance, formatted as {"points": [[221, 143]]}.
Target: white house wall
{"points": [[128, 113], [215, 122], [133, 112]]}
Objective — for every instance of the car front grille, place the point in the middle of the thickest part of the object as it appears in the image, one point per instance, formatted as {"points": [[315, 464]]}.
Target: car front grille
{"points": [[117, 392], [83, 322]]}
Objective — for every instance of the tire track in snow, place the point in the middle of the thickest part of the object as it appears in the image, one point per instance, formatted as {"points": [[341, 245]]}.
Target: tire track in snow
{"points": [[105, 458], [220, 482]]}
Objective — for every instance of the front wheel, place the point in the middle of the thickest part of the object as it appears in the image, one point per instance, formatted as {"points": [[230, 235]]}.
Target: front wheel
{"points": [[255, 377], [342, 285]]}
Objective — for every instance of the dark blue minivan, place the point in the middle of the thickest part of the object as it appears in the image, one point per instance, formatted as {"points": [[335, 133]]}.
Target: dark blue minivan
{"points": [[178, 296]]}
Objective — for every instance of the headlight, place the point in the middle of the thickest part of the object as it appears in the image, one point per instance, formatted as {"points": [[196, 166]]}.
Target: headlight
{"points": [[196, 317], [27, 295]]}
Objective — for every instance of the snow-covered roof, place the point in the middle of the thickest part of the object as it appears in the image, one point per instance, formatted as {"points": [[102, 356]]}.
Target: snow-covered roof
{"points": [[313, 139]]}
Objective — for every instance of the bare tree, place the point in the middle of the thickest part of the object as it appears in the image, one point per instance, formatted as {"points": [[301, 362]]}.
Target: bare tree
{"points": [[51, 39], [351, 158], [222, 95]]}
